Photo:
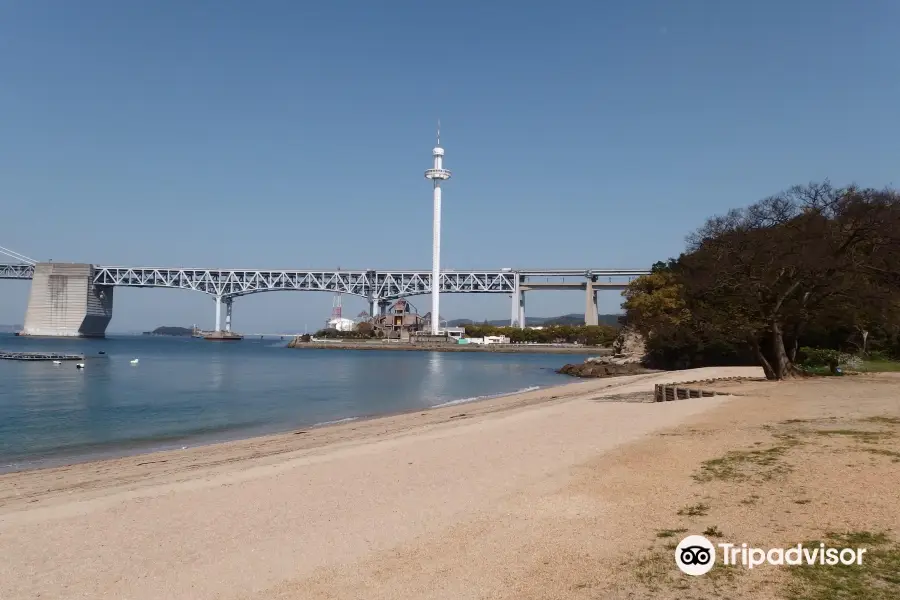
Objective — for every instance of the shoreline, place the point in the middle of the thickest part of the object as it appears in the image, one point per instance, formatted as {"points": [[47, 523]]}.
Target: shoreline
{"points": [[369, 508], [145, 447], [93, 478], [410, 347]]}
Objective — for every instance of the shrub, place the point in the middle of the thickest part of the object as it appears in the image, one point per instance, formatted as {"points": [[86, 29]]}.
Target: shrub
{"points": [[827, 357]]}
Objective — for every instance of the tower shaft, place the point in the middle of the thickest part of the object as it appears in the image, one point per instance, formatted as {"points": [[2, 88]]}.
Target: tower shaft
{"points": [[436, 262]]}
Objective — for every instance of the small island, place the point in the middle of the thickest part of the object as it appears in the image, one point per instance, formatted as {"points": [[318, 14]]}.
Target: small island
{"points": [[173, 331]]}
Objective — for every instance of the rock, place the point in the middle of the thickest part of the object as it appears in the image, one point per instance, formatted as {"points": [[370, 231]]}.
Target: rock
{"points": [[598, 369], [629, 346]]}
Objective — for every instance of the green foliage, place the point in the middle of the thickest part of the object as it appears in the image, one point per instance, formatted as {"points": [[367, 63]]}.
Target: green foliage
{"points": [[334, 334], [814, 266], [589, 335], [813, 358], [656, 307], [821, 357]]}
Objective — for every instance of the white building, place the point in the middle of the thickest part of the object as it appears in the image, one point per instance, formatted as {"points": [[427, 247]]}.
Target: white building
{"points": [[342, 324], [489, 339]]}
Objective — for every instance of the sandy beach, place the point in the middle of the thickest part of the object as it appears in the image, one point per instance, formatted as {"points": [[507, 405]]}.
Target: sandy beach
{"points": [[557, 493]]}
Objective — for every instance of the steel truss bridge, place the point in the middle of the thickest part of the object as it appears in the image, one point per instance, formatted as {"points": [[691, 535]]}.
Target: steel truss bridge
{"points": [[378, 287]]}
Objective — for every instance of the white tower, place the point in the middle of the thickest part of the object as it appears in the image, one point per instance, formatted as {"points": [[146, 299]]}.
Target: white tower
{"points": [[436, 175]]}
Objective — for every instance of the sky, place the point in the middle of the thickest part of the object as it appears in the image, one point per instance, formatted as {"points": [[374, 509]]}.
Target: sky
{"points": [[281, 134]]}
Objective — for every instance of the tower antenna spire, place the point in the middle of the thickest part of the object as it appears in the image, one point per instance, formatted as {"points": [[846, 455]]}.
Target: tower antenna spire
{"points": [[439, 133]]}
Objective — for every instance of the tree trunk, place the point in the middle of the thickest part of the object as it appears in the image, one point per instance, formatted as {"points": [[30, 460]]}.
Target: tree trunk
{"points": [[782, 367], [795, 345], [761, 358]]}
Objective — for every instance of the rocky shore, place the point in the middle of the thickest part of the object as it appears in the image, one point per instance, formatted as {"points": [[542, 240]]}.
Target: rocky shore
{"points": [[625, 359], [601, 368]]}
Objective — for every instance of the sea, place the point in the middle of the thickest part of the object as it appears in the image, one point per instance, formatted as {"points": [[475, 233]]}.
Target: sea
{"points": [[188, 391]]}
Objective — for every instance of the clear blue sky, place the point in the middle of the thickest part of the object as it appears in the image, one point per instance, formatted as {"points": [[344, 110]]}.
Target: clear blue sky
{"points": [[294, 134]]}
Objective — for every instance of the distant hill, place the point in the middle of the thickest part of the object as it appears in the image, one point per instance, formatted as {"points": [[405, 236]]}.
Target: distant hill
{"points": [[176, 331], [570, 319]]}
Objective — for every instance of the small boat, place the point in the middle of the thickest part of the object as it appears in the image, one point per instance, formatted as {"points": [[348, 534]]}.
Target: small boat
{"points": [[56, 362], [79, 366], [134, 361]]}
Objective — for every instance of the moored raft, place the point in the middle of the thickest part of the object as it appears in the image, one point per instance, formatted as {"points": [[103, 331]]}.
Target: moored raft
{"points": [[38, 356]]}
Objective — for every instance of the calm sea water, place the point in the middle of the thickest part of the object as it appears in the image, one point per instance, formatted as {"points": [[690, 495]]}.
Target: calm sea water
{"points": [[188, 391]]}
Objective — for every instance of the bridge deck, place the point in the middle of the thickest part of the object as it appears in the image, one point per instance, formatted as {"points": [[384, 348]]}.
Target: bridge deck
{"points": [[385, 285]]}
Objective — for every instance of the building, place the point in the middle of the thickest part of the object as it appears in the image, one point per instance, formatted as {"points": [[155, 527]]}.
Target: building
{"points": [[400, 320], [489, 339], [341, 324]]}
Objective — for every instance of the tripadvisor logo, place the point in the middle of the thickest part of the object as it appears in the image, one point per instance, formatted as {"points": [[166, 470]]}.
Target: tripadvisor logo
{"points": [[696, 555]]}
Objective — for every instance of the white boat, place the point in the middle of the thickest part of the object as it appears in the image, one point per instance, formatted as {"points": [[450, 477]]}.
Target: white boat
{"points": [[79, 366], [56, 362], [134, 361]]}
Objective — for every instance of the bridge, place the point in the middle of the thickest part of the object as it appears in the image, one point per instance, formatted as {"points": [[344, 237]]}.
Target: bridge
{"points": [[75, 299]]}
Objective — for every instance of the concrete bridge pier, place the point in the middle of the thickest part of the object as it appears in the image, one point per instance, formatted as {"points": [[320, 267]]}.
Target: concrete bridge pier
{"points": [[218, 313], [64, 302], [514, 305], [383, 307], [591, 316], [228, 303], [521, 308]]}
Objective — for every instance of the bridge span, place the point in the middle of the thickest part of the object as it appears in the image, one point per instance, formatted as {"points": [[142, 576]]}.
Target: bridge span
{"points": [[75, 299]]}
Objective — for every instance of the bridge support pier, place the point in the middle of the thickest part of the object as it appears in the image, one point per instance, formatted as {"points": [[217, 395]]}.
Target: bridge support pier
{"points": [[228, 303], [514, 314], [591, 316], [521, 308], [64, 302], [373, 306], [218, 313]]}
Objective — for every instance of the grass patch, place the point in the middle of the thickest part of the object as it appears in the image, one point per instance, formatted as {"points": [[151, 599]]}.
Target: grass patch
{"points": [[879, 366], [654, 568], [889, 453], [667, 533], [713, 531], [750, 501], [657, 571], [877, 578], [860, 435], [695, 510], [802, 501], [884, 420], [740, 465]]}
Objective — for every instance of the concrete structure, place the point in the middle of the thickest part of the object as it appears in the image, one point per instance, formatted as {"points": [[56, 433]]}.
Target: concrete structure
{"points": [[64, 302], [454, 332], [379, 288], [436, 174]]}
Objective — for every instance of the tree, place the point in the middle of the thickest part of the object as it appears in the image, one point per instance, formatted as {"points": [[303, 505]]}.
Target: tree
{"points": [[762, 274], [814, 262]]}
